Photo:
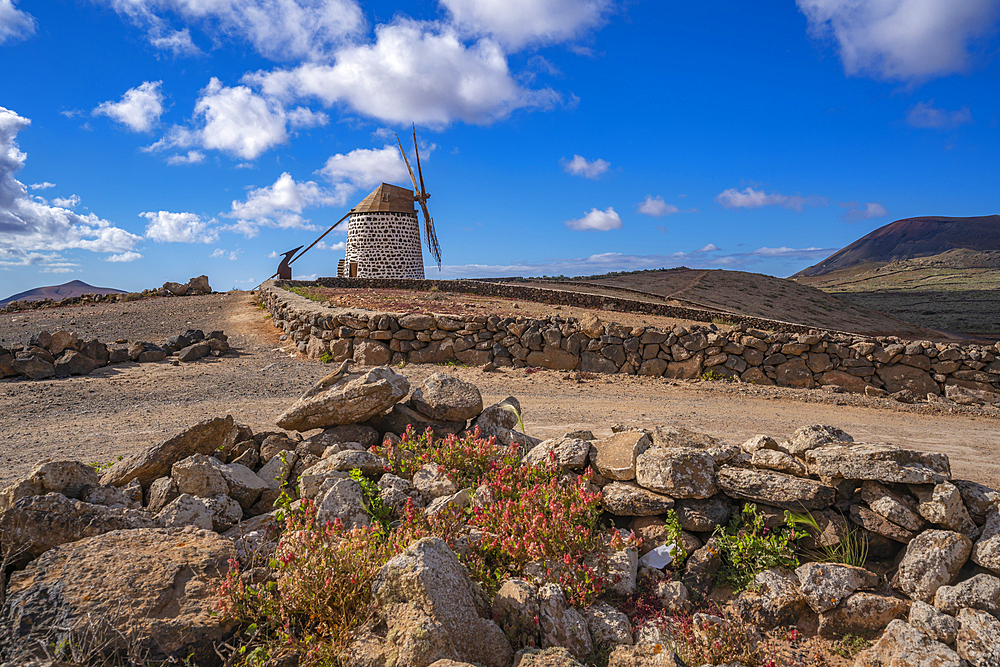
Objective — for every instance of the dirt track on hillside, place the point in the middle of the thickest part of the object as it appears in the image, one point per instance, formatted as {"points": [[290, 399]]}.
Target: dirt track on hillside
{"points": [[124, 408]]}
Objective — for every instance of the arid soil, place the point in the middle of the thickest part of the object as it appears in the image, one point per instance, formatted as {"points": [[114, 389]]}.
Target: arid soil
{"points": [[124, 408]]}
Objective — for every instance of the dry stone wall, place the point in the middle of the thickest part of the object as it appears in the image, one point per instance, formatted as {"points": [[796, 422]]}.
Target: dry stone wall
{"points": [[385, 244], [871, 365]]}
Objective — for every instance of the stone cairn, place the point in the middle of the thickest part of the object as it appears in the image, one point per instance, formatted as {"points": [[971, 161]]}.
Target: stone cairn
{"points": [[181, 509], [64, 353], [875, 366], [193, 287]]}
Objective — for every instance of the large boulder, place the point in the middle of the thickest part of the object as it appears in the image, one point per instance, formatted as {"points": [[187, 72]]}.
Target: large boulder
{"points": [[150, 592], [703, 515], [630, 499], [932, 560], [203, 438], [428, 604], [36, 524], [775, 600], [679, 472], [447, 399], [898, 377], [902, 645], [979, 592], [568, 453], [862, 613], [348, 399], [881, 463], [342, 499], [824, 585], [942, 504], [775, 488], [978, 638], [70, 478]]}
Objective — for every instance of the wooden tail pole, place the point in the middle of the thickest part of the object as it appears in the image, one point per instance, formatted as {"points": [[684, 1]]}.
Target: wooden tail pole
{"points": [[334, 226]]}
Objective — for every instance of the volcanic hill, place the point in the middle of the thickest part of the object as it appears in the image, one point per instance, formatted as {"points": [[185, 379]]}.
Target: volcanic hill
{"points": [[57, 292]]}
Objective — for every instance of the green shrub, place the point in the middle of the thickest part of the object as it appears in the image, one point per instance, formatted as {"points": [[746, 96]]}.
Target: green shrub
{"points": [[852, 549], [748, 547]]}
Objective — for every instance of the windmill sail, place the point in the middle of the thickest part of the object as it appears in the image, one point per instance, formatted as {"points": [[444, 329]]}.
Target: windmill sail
{"points": [[429, 235]]}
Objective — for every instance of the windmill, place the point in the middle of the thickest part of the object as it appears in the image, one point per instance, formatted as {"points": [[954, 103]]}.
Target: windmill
{"points": [[421, 196]]}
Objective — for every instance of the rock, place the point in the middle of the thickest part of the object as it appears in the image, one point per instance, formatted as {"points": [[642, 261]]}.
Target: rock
{"points": [[567, 453], [846, 381], [552, 357], [515, 609], [395, 491], [366, 436], [978, 499], [434, 353], [703, 515], [979, 592], [244, 486], [861, 614], [630, 499], [678, 472], [186, 510], [561, 624], [342, 499], [352, 459], [275, 472], [550, 657], [161, 492], [62, 340], [74, 363], [447, 399], [775, 601], [353, 398], [770, 459], [943, 505], [825, 585], [110, 496], [700, 569], [673, 596], [615, 457], [432, 482], [500, 420], [152, 590], [226, 512], [176, 289], [774, 488], [899, 377], [313, 477], [978, 638], [199, 285], [459, 501], [879, 525], [619, 571], [33, 367], [403, 415], [902, 645], [70, 478], [986, 551], [794, 373], [644, 655], [371, 353], [36, 524], [193, 352], [932, 560], [256, 538], [199, 475], [202, 438], [881, 463], [759, 442], [668, 435], [274, 444], [892, 506], [428, 603], [813, 436], [607, 625], [935, 624]]}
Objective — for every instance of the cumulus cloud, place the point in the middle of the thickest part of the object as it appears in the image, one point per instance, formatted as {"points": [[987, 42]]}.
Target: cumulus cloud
{"points": [[363, 168], [178, 42], [516, 23], [581, 166], [277, 29], [902, 39], [860, 212], [69, 202], [139, 109], [413, 72], [14, 24], [191, 157], [45, 185], [656, 207], [238, 121], [29, 227], [279, 205], [926, 115], [751, 198], [167, 227], [231, 255], [323, 245], [598, 220], [129, 256]]}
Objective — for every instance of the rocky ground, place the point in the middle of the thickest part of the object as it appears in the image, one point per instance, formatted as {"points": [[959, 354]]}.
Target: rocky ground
{"points": [[122, 409]]}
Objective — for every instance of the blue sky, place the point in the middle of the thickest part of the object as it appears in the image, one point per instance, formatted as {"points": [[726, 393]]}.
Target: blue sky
{"points": [[151, 140]]}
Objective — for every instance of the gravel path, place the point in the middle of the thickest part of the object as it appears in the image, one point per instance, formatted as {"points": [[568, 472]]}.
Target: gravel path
{"points": [[124, 408]]}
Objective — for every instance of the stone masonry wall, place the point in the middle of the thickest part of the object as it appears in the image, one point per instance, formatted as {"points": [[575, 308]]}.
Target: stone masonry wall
{"points": [[810, 358], [385, 245]]}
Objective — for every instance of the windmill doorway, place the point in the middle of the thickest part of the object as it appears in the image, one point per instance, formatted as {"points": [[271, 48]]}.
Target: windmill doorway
{"points": [[354, 270]]}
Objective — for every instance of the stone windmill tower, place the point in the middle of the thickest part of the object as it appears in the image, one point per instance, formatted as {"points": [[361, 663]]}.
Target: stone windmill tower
{"points": [[383, 233]]}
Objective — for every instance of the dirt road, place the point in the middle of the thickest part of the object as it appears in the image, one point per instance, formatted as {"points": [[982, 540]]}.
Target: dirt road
{"points": [[121, 409]]}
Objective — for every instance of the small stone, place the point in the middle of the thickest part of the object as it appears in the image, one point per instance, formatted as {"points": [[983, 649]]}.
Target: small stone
{"points": [[935, 624]]}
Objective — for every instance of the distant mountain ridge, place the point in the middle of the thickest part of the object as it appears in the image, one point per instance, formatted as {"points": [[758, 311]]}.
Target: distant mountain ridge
{"points": [[913, 237], [57, 292]]}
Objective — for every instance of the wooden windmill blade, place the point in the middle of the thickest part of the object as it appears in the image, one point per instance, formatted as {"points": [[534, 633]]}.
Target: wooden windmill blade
{"points": [[429, 235], [413, 178]]}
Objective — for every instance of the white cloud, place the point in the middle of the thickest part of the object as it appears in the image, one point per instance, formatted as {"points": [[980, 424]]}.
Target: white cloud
{"points": [[167, 227], [580, 166], [14, 24], [28, 226], [711, 247], [598, 220], [926, 115], [277, 29], [69, 202], [129, 256], [863, 212], [279, 205], [750, 198], [237, 121], [323, 245], [413, 72], [785, 251], [231, 255], [178, 42], [139, 109], [656, 207], [902, 39], [191, 157], [45, 185], [364, 168], [516, 23], [57, 269]]}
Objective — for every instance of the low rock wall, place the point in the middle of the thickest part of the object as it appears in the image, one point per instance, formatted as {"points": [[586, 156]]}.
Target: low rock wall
{"points": [[803, 359]]}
